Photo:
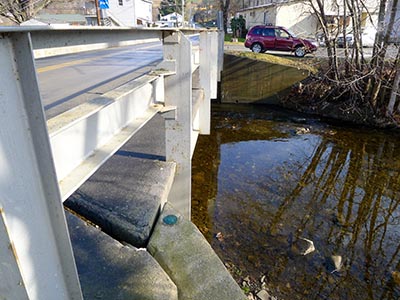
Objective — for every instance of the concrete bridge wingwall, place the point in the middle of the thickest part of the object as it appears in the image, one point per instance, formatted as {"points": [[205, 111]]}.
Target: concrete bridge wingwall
{"points": [[252, 80]]}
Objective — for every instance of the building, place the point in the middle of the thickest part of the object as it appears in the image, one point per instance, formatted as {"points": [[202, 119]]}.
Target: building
{"points": [[129, 13], [299, 17], [170, 20]]}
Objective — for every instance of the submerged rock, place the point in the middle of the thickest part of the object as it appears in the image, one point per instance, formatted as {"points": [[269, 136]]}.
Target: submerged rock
{"points": [[302, 130], [219, 236], [334, 263], [337, 262], [396, 277], [302, 246], [263, 295]]}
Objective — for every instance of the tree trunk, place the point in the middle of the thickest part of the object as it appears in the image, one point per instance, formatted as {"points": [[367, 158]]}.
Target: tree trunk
{"points": [[224, 6], [395, 92], [395, 88], [356, 26], [319, 10], [380, 31], [381, 54]]}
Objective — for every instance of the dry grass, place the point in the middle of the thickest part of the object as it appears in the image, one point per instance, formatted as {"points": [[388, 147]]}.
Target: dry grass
{"points": [[306, 63]]}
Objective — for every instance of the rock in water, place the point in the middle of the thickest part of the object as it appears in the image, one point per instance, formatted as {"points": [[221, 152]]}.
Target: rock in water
{"points": [[334, 263], [337, 262], [263, 295], [310, 247], [396, 277], [302, 246]]}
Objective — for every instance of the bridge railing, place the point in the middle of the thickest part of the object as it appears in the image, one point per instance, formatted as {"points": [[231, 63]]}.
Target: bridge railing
{"points": [[43, 162]]}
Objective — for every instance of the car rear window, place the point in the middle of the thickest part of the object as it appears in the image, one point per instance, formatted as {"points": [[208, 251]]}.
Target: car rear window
{"points": [[257, 31]]}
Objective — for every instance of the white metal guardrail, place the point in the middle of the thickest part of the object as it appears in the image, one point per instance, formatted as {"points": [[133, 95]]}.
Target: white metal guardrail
{"points": [[42, 163]]}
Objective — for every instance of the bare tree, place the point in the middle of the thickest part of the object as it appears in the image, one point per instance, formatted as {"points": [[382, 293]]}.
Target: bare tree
{"points": [[396, 89], [19, 11], [371, 82], [224, 6], [228, 8], [318, 7], [380, 47]]}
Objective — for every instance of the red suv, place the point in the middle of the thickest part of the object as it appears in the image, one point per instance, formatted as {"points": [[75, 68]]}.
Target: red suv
{"points": [[267, 37]]}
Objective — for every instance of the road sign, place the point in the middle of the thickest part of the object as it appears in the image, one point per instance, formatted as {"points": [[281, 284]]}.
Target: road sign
{"points": [[103, 4]]}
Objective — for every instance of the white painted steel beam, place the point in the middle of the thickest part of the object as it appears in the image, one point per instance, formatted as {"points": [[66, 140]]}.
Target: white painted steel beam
{"points": [[214, 74], [11, 282], [29, 195], [205, 81], [83, 138], [51, 41], [65, 41], [34, 167], [178, 93]]}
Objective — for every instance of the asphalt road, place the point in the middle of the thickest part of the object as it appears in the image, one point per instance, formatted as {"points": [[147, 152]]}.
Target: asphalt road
{"points": [[69, 80]]}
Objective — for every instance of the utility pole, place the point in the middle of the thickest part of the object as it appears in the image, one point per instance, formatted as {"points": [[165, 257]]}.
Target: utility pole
{"points": [[97, 12], [183, 12]]}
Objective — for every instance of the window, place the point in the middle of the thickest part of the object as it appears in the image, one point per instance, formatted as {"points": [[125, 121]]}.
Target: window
{"points": [[121, 2], [257, 31], [265, 18], [268, 32], [281, 33]]}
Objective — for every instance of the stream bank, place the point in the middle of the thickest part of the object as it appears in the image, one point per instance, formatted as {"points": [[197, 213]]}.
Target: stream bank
{"points": [[297, 84]]}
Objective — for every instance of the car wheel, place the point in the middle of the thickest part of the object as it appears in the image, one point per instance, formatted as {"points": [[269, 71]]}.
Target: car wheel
{"points": [[257, 48], [300, 51]]}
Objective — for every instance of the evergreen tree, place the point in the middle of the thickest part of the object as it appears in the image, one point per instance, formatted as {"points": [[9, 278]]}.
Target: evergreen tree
{"points": [[170, 6]]}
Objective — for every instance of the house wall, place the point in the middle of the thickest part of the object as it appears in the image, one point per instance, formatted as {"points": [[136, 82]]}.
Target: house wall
{"points": [[259, 16], [131, 12], [125, 13], [298, 18], [294, 16], [370, 11], [144, 10]]}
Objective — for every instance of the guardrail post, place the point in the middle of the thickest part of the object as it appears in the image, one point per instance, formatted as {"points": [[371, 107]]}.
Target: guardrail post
{"points": [[31, 210], [178, 93]]}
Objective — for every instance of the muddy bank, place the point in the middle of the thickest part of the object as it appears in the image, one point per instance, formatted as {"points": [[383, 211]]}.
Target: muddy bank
{"points": [[312, 96], [296, 84]]}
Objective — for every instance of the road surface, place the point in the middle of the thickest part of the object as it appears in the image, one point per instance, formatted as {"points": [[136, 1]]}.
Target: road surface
{"points": [[69, 80]]}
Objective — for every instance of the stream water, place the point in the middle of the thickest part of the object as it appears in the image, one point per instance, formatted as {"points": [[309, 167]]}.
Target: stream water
{"points": [[267, 183]]}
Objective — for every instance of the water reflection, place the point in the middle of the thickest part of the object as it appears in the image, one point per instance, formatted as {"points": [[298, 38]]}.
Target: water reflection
{"points": [[265, 181]]}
